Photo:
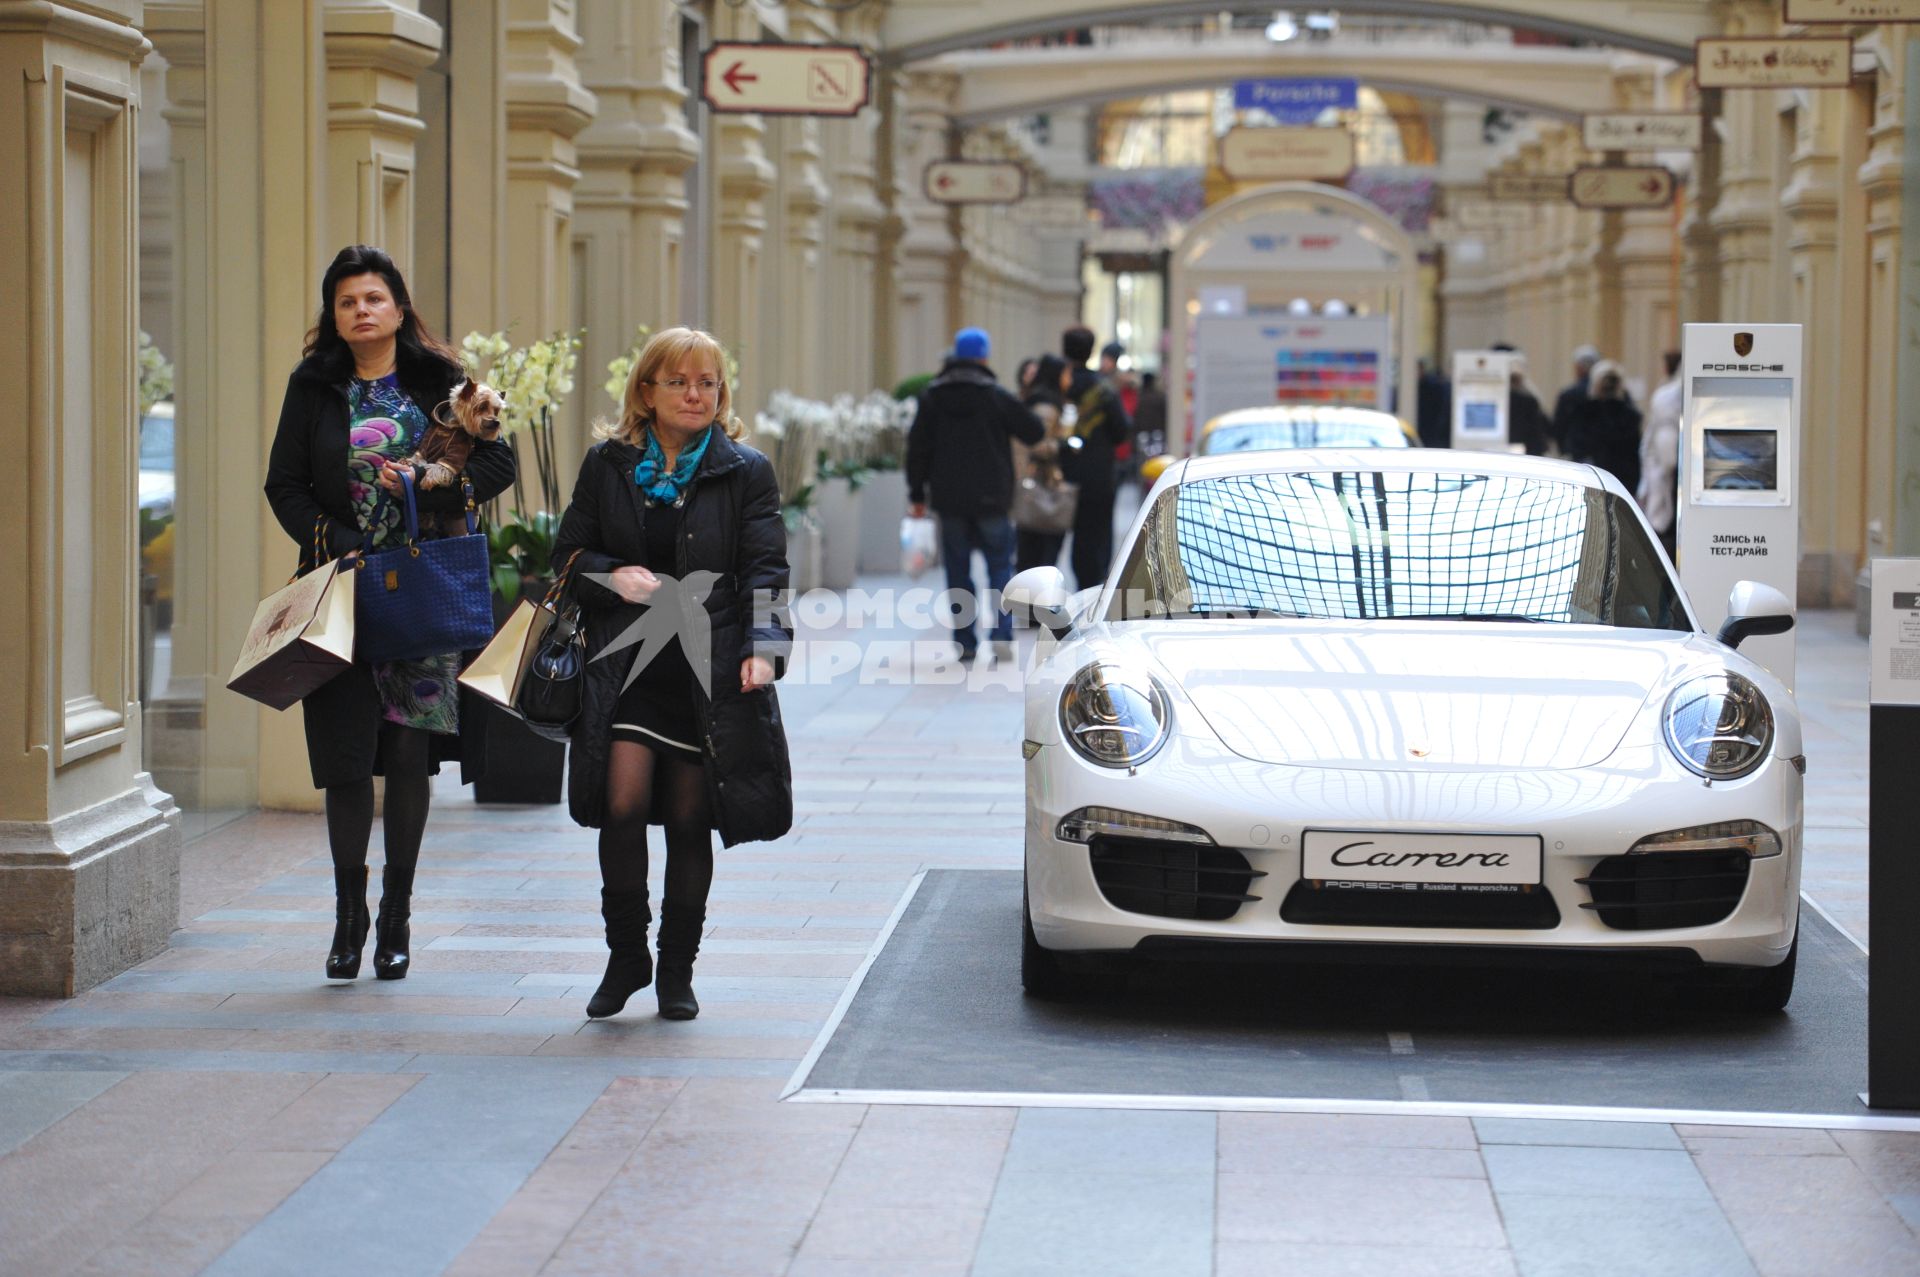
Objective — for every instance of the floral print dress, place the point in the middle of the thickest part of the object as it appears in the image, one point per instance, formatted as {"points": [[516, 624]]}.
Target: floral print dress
{"points": [[383, 422]]}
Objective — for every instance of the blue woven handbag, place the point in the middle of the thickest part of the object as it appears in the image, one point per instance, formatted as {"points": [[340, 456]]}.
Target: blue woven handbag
{"points": [[424, 598]]}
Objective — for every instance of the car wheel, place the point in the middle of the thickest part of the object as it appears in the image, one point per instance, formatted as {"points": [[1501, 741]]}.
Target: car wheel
{"points": [[1048, 976], [1769, 988]]}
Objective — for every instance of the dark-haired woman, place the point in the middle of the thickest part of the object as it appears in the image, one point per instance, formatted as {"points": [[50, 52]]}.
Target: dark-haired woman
{"points": [[355, 408], [678, 531]]}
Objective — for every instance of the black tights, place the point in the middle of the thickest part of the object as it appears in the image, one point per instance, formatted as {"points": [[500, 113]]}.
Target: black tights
{"points": [[404, 758], [646, 785]]}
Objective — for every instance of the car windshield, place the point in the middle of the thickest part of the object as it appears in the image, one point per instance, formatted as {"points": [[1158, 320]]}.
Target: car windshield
{"points": [[1254, 436], [1374, 545]]}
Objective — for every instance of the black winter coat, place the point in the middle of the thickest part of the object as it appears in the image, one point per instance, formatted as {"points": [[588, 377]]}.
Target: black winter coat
{"points": [[731, 526], [1606, 433], [307, 480], [1102, 425], [958, 442]]}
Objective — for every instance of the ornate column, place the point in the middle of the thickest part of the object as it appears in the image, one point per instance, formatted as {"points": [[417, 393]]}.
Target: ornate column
{"points": [[547, 106], [792, 333], [89, 848], [1882, 179], [376, 50], [858, 226], [1745, 215], [631, 204], [1811, 204], [930, 254]]}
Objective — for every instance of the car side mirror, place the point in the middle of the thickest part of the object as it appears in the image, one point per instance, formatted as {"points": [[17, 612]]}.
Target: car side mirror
{"points": [[1039, 596], [1754, 608]]}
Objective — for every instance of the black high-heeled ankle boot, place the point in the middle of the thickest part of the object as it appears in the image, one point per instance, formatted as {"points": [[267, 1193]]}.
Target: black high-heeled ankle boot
{"points": [[629, 965], [680, 930], [391, 935], [349, 922]]}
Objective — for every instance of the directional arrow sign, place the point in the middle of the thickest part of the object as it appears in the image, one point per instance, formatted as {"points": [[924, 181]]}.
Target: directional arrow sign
{"points": [[785, 79], [1643, 186], [1644, 131], [1532, 187], [975, 182]]}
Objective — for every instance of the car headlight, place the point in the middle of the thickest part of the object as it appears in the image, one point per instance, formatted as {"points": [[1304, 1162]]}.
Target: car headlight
{"points": [[1114, 716], [1719, 726]]}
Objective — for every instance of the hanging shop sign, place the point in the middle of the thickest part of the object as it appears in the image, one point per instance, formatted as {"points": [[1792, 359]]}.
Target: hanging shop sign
{"points": [[1770, 62], [785, 79], [1283, 155], [1853, 11], [974, 182], [1296, 101], [1480, 216], [1635, 186], [1641, 131], [1548, 188]]}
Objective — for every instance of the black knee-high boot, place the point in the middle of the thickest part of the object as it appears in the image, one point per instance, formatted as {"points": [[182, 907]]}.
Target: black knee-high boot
{"points": [[392, 937], [349, 922], [629, 965], [680, 928]]}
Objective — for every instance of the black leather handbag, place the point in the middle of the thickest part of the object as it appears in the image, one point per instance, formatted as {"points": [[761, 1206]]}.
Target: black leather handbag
{"points": [[554, 686]]}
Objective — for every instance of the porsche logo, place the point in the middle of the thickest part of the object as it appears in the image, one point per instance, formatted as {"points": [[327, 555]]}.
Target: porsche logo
{"points": [[1743, 344], [1419, 751]]}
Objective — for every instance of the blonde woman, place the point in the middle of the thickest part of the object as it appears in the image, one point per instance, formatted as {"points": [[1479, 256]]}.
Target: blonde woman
{"points": [[672, 511]]}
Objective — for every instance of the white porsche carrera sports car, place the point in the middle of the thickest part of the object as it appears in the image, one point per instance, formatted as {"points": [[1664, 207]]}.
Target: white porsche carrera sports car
{"points": [[1406, 698]]}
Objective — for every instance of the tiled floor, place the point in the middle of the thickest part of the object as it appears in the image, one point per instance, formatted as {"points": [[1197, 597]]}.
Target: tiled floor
{"points": [[223, 1108]]}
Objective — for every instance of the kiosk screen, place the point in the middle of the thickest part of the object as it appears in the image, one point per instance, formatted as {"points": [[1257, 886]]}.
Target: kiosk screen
{"points": [[1480, 417], [1740, 460], [1741, 422]]}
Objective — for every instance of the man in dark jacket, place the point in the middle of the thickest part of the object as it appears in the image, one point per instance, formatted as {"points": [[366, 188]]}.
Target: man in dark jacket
{"points": [[1570, 398], [959, 443], [1100, 425]]}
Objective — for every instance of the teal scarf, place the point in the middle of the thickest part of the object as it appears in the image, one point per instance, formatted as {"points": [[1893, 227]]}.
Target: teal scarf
{"points": [[668, 489]]}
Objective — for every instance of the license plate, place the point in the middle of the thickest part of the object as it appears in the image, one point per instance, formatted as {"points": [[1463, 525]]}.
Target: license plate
{"points": [[1334, 855]]}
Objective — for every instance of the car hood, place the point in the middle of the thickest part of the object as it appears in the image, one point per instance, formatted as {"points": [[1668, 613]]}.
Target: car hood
{"points": [[1413, 696]]}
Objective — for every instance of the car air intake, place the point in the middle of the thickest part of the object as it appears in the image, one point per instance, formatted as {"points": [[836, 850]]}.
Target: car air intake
{"points": [[1653, 892], [1172, 880]]}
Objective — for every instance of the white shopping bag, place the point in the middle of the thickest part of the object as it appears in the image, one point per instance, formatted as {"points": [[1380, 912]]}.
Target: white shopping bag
{"points": [[301, 637], [919, 545]]}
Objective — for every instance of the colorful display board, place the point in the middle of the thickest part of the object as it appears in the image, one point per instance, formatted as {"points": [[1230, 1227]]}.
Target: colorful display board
{"points": [[1250, 361]]}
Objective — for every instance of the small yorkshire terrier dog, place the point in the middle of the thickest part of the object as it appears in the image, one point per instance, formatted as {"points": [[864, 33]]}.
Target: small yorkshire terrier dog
{"points": [[470, 412]]}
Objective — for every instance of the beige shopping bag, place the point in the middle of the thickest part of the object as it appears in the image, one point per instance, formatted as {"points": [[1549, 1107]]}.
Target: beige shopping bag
{"points": [[502, 663], [301, 636]]}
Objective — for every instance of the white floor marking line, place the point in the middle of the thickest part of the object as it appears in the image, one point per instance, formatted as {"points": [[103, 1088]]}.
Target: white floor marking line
{"points": [[1833, 921], [812, 1056], [1400, 1043], [1414, 1087], [1379, 1108]]}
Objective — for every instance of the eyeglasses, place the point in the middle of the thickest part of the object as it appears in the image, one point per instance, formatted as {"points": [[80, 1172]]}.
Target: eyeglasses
{"points": [[678, 385]]}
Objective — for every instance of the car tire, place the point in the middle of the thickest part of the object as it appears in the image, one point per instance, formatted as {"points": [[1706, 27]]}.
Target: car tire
{"points": [[1046, 975], [1768, 989]]}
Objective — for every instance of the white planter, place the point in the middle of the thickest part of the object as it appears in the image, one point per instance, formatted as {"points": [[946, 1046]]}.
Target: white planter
{"points": [[803, 556], [883, 503], [838, 508]]}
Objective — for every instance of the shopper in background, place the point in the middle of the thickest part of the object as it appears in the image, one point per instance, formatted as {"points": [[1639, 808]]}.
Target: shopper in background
{"points": [[1604, 428], [1100, 426], [1659, 490]]}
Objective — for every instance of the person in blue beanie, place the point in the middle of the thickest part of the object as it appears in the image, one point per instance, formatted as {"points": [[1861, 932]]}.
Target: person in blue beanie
{"points": [[960, 446]]}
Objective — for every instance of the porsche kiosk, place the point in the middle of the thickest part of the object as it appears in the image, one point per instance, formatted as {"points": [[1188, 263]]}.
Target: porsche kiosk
{"points": [[1235, 342], [1482, 385], [1739, 466]]}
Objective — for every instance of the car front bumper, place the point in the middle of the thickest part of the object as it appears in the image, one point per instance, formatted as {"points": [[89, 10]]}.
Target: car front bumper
{"points": [[1261, 811]]}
